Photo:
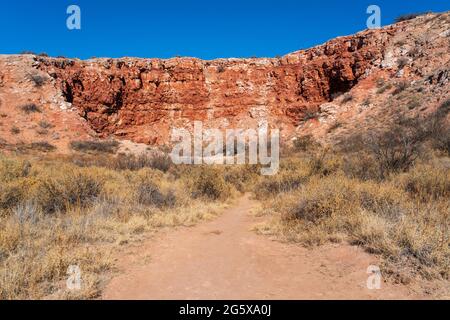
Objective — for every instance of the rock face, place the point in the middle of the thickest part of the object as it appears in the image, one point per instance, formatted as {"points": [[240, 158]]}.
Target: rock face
{"points": [[141, 99], [300, 93]]}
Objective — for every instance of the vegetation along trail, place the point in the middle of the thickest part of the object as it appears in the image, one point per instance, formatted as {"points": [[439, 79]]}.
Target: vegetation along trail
{"points": [[225, 259]]}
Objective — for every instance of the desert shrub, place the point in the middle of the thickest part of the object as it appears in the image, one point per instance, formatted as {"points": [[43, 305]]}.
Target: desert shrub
{"points": [[11, 169], [26, 211], [75, 188], [396, 148], [42, 132], [37, 79], [402, 62], [310, 114], [384, 88], [95, 146], [347, 97], [12, 193], [45, 124], [30, 108], [323, 163], [148, 193], [241, 177], [339, 198], [360, 165], [160, 162], [444, 108], [42, 146], [400, 87], [313, 207], [280, 183], [305, 143], [209, 182], [380, 82], [336, 125], [441, 141], [427, 182], [413, 103], [378, 216], [409, 16], [15, 130], [438, 129], [27, 52]]}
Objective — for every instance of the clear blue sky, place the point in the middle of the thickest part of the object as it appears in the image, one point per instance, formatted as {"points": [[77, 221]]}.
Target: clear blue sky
{"points": [[204, 29]]}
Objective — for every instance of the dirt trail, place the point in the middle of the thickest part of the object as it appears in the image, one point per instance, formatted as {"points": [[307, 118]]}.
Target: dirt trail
{"points": [[224, 259]]}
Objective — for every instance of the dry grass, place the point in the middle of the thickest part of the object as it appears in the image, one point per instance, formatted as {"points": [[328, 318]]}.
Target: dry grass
{"points": [[54, 214], [95, 146], [404, 218]]}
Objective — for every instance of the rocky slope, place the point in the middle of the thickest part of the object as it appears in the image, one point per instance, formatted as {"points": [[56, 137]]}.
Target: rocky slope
{"points": [[326, 91]]}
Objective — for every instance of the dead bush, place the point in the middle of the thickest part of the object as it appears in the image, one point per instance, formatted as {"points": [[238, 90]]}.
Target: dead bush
{"points": [[95, 146], [15, 130], [42, 146], [396, 148], [402, 62], [160, 162], [72, 189], [384, 88], [30, 108], [400, 87], [148, 193], [409, 16], [11, 169], [280, 183], [45, 124], [209, 183], [37, 79], [305, 143], [347, 97], [427, 182], [11, 194], [360, 165]]}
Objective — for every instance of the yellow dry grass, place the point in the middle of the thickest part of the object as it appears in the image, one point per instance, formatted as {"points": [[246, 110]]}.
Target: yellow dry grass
{"points": [[54, 214], [404, 218]]}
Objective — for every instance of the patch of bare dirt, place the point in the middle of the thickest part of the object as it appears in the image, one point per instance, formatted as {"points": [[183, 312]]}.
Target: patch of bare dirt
{"points": [[224, 259]]}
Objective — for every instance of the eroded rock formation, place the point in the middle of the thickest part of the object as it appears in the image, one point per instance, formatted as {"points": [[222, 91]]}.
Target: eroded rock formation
{"points": [[300, 93], [141, 99]]}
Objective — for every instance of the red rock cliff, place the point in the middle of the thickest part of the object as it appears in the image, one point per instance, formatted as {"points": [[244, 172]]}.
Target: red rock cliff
{"points": [[141, 99]]}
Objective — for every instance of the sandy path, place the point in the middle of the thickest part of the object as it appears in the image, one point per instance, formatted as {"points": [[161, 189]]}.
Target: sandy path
{"points": [[223, 259]]}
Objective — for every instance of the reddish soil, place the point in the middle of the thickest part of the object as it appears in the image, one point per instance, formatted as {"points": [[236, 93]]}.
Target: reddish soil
{"points": [[224, 259]]}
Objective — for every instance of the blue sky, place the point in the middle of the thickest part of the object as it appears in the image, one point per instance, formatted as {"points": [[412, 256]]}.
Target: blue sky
{"points": [[203, 29]]}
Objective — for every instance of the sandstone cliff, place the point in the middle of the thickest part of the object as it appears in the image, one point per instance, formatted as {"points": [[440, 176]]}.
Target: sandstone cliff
{"points": [[302, 92]]}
